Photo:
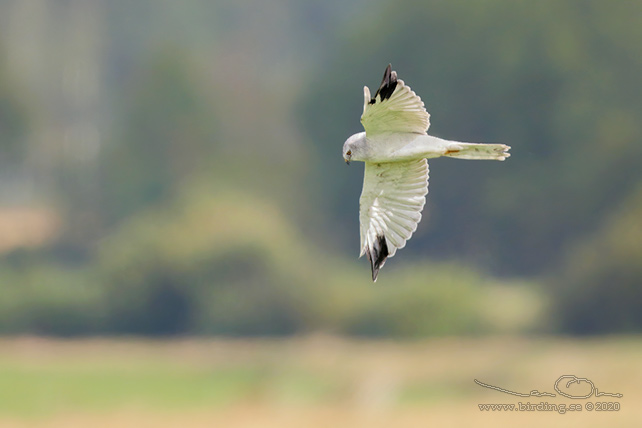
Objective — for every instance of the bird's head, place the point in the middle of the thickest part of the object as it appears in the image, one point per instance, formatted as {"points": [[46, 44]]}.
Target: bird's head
{"points": [[354, 148]]}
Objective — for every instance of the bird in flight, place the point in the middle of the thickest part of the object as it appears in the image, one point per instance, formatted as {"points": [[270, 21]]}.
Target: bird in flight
{"points": [[395, 147]]}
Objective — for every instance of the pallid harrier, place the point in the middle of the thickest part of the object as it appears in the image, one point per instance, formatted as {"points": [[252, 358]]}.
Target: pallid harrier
{"points": [[394, 148]]}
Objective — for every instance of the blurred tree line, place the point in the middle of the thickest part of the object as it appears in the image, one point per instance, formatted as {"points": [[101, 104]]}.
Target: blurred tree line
{"points": [[220, 203]]}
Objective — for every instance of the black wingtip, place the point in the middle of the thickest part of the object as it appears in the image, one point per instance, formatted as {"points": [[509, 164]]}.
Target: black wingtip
{"points": [[388, 85], [378, 256]]}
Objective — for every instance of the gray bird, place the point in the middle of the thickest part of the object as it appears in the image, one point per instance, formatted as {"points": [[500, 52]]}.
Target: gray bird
{"points": [[395, 147]]}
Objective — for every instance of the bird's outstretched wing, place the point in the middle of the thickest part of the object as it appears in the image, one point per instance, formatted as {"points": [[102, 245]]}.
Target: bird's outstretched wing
{"points": [[394, 108], [393, 196]]}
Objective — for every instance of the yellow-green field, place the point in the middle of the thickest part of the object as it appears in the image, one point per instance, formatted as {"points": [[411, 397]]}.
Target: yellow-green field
{"points": [[315, 381]]}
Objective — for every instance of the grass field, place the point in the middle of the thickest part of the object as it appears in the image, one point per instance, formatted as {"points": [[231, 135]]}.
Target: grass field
{"points": [[315, 381]]}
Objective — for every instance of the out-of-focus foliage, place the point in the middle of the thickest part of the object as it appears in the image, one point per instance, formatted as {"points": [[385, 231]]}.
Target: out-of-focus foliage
{"points": [[217, 261], [600, 290], [14, 118], [168, 133], [214, 260], [193, 156]]}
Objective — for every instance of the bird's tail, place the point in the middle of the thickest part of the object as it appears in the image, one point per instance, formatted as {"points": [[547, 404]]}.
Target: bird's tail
{"points": [[477, 151]]}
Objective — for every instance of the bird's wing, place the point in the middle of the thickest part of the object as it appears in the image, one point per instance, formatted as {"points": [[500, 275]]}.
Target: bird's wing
{"points": [[393, 196], [394, 108]]}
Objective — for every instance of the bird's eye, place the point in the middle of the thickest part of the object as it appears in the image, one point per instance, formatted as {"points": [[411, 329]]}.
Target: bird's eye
{"points": [[349, 153]]}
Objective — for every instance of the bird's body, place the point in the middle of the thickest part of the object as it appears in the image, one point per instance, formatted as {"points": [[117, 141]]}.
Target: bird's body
{"points": [[395, 147]]}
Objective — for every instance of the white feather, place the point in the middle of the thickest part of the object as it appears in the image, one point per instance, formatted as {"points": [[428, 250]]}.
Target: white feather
{"points": [[393, 196], [402, 112]]}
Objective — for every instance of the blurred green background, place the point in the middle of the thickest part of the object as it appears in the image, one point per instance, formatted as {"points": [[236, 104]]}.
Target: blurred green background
{"points": [[172, 169]]}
